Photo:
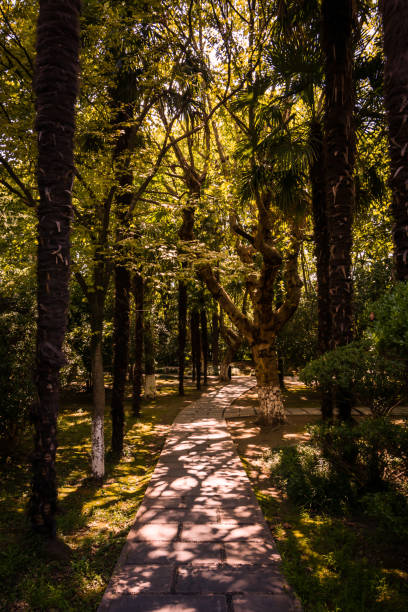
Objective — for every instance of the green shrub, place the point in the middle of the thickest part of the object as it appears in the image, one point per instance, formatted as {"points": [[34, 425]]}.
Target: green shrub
{"points": [[376, 380], [16, 367], [343, 468], [375, 366]]}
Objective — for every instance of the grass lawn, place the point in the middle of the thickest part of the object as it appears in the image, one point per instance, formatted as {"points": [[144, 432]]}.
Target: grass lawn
{"points": [[93, 521], [334, 564]]}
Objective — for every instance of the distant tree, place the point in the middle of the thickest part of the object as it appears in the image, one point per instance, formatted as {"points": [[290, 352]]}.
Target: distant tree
{"points": [[56, 88]]}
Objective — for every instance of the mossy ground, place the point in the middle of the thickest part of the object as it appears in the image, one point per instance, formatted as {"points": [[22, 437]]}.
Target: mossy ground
{"points": [[93, 520], [336, 564]]}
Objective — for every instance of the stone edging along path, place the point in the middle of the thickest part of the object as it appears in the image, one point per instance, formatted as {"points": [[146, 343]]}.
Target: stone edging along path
{"points": [[199, 542]]}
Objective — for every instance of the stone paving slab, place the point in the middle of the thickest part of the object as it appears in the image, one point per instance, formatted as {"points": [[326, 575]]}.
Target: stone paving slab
{"points": [[231, 580], [264, 603], [170, 603], [199, 542]]}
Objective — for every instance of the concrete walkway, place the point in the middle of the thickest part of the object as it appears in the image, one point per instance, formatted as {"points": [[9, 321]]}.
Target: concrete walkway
{"points": [[199, 542]]}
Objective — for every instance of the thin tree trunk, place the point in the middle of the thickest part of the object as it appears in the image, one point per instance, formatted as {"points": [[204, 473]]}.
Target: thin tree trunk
{"points": [[150, 376], [98, 394], [281, 372], [138, 365], [395, 26], [56, 88], [186, 233], [215, 343], [338, 21], [233, 341], [121, 355], [322, 253], [182, 332], [196, 345], [204, 344]]}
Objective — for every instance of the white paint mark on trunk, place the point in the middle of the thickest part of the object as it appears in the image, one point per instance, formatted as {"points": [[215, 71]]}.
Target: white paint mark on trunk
{"points": [[271, 404], [98, 447], [150, 386]]}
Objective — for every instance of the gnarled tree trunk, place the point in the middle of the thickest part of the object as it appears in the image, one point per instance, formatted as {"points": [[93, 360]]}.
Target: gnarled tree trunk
{"points": [[395, 26], [56, 87]]}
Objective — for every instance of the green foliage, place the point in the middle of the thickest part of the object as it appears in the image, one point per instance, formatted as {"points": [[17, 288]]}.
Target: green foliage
{"points": [[345, 468], [374, 367], [389, 329], [297, 342], [16, 365]]}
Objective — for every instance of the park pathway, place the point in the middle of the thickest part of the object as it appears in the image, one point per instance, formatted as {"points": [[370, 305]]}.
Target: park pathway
{"points": [[199, 542]]}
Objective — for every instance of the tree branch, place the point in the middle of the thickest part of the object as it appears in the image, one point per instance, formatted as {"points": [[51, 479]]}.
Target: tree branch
{"points": [[15, 178], [242, 322]]}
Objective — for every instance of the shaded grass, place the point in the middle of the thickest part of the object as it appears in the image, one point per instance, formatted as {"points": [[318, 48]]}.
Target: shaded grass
{"points": [[93, 520], [337, 564], [333, 564]]}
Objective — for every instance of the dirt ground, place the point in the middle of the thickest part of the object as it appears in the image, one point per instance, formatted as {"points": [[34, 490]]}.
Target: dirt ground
{"points": [[253, 442]]}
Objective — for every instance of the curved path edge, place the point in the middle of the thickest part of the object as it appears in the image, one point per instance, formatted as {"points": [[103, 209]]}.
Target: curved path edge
{"points": [[199, 542]]}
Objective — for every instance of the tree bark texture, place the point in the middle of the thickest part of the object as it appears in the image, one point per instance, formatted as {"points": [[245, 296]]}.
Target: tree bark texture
{"points": [[56, 88], [124, 178], [196, 345], [338, 22], [322, 252], [395, 31], [120, 354], [204, 344], [267, 377], [138, 339]]}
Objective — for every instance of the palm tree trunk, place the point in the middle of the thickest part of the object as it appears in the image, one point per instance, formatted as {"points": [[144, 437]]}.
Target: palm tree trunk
{"points": [[322, 253], [395, 26], [138, 366], [56, 88], [338, 20]]}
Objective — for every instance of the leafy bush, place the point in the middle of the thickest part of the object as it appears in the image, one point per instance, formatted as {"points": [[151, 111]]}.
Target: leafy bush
{"points": [[376, 380], [375, 366], [389, 328], [344, 467], [16, 366]]}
